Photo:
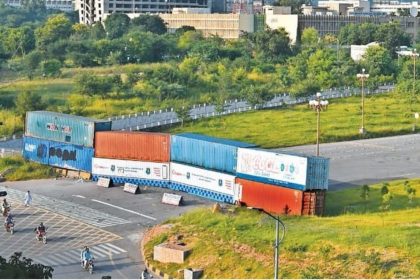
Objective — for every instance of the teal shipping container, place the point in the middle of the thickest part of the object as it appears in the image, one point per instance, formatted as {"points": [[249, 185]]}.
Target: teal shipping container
{"points": [[208, 152], [65, 128]]}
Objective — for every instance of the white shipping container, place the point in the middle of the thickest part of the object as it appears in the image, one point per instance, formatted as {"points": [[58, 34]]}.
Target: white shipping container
{"points": [[202, 178], [272, 167], [130, 169]]}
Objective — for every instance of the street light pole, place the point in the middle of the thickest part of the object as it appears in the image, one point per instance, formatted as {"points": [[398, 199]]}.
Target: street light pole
{"points": [[278, 239], [318, 105], [414, 54], [362, 76]]}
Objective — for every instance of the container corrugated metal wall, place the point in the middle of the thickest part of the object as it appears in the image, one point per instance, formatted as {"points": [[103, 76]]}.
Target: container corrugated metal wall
{"points": [[204, 151], [63, 128], [142, 146], [58, 154], [318, 173], [286, 169], [271, 198]]}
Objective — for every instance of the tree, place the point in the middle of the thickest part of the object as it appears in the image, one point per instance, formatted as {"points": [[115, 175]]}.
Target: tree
{"points": [[116, 25], [392, 35], [269, 45], [184, 29], [90, 84], [55, 28], [183, 113], [378, 61], [27, 101], [32, 61], [365, 192], [51, 68], [149, 23], [309, 37], [257, 95], [97, 31], [17, 268], [411, 192], [384, 188], [19, 41]]}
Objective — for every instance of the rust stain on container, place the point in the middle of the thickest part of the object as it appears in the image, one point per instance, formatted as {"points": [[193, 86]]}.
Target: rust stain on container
{"points": [[142, 146]]}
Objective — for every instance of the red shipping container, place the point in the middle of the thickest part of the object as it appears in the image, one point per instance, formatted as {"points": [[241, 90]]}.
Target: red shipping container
{"points": [[141, 146], [273, 199]]}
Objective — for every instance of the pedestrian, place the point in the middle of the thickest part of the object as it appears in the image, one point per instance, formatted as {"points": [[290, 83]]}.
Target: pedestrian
{"points": [[28, 199]]}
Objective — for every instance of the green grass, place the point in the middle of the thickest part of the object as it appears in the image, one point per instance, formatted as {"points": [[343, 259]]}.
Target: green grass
{"points": [[23, 169], [238, 243], [386, 114]]}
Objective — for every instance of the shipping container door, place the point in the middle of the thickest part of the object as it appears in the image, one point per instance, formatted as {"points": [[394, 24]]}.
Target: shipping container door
{"points": [[237, 192]]}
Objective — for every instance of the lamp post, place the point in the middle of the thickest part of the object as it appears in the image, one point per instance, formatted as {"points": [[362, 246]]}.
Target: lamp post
{"points": [[416, 118], [362, 76], [318, 105], [278, 239]]}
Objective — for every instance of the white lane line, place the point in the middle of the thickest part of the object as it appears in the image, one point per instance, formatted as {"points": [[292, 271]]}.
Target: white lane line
{"points": [[47, 261], [123, 209], [113, 248], [96, 250], [79, 196]]}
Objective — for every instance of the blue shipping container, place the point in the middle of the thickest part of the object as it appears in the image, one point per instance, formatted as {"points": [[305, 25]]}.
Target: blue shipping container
{"points": [[59, 127], [205, 151], [58, 154]]}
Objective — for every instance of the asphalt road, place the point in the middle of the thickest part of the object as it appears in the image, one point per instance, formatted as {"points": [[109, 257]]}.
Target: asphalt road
{"points": [[108, 220], [369, 161]]}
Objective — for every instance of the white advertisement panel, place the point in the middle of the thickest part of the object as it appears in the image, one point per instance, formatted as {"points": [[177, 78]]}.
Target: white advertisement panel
{"points": [[272, 167], [130, 169], [202, 178]]}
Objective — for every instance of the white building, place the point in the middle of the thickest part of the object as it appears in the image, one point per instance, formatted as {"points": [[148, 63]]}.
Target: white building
{"points": [[62, 5], [281, 17], [358, 51], [91, 11]]}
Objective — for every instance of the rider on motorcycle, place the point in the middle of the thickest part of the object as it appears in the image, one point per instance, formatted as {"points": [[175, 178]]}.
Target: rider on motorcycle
{"points": [[40, 230], [5, 206], [9, 220], [87, 256]]}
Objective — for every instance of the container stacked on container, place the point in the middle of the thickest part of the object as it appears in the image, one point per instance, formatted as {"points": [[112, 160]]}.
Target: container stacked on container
{"points": [[283, 183], [205, 166], [132, 157], [61, 140]]}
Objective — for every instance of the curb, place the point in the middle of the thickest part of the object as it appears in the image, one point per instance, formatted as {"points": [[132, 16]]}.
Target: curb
{"points": [[149, 266]]}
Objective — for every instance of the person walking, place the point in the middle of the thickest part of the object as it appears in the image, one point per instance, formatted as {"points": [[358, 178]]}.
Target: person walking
{"points": [[28, 198]]}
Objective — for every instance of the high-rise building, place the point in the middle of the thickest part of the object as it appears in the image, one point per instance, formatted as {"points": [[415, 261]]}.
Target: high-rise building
{"points": [[61, 5], [91, 11]]}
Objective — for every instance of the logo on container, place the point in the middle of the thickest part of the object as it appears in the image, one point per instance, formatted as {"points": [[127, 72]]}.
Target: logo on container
{"points": [[112, 168], [188, 175], [148, 171], [220, 182]]}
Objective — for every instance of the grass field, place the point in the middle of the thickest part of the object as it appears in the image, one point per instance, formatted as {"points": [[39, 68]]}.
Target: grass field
{"points": [[386, 114], [238, 243], [21, 169]]}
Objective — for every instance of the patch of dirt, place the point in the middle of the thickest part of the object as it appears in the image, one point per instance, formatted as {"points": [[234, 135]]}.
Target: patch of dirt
{"points": [[250, 252], [155, 231]]}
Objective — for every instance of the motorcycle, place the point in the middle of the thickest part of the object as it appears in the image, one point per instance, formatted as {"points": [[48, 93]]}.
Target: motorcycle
{"points": [[41, 236], [10, 227], [89, 265]]}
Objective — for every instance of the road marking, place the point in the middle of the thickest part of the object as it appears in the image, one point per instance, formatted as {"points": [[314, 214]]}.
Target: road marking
{"points": [[123, 209], [115, 249], [78, 195]]}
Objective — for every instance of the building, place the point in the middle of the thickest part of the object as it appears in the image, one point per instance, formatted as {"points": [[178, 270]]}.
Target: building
{"points": [[358, 51], [226, 26], [62, 5], [91, 11], [281, 17]]}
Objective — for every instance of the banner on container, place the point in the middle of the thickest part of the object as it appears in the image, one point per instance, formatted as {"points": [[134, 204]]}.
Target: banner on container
{"points": [[58, 154], [202, 178], [275, 168], [130, 169]]}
